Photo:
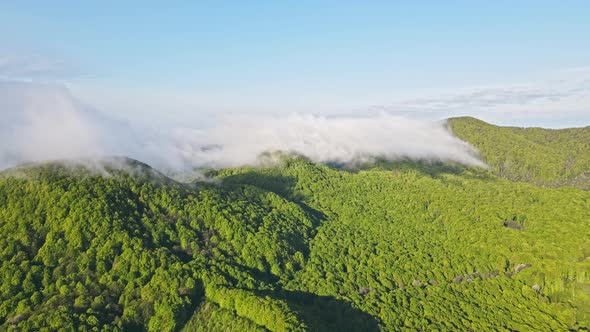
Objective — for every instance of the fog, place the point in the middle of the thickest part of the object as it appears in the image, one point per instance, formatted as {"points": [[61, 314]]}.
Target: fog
{"points": [[45, 122]]}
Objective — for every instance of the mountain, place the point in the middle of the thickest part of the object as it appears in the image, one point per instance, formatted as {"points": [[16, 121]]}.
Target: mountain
{"points": [[302, 246], [113, 166], [546, 157]]}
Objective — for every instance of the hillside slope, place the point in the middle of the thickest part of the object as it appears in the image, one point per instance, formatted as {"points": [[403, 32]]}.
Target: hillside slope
{"points": [[80, 249], [437, 247], [296, 246], [541, 156]]}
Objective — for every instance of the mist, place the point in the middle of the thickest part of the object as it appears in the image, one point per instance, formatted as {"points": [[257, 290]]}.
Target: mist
{"points": [[43, 122]]}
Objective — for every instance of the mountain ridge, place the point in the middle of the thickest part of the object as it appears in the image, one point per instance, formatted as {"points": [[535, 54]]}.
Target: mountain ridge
{"points": [[547, 157]]}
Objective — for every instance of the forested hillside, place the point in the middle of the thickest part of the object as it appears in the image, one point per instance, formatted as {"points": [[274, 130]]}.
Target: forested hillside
{"points": [[301, 246], [547, 157]]}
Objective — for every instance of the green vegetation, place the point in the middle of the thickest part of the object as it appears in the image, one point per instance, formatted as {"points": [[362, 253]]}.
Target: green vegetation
{"points": [[293, 247], [540, 156]]}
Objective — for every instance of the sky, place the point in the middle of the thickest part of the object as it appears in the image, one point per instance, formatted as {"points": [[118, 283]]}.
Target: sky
{"points": [[509, 62]]}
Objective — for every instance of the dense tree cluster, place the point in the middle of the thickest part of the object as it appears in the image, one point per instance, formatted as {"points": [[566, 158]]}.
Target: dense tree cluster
{"points": [[292, 247], [81, 251], [428, 246]]}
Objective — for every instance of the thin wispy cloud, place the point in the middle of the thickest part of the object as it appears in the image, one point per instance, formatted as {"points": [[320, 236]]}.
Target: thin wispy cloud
{"points": [[563, 94], [511, 94], [18, 67]]}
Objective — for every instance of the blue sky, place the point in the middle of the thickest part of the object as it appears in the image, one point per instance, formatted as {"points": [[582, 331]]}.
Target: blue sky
{"points": [[197, 57]]}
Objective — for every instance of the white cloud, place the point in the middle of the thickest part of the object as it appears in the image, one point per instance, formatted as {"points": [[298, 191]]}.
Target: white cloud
{"points": [[44, 122], [240, 139]]}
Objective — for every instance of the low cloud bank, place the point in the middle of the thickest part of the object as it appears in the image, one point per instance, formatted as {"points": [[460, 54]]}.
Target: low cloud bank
{"points": [[240, 139], [45, 122]]}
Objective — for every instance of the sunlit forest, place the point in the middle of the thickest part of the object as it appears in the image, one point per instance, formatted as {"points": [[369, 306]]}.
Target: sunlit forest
{"points": [[298, 246]]}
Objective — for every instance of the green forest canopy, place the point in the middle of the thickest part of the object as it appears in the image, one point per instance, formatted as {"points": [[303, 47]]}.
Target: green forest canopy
{"points": [[549, 157], [302, 246]]}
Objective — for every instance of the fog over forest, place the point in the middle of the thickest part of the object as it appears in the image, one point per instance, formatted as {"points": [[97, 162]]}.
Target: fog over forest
{"points": [[46, 122]]}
